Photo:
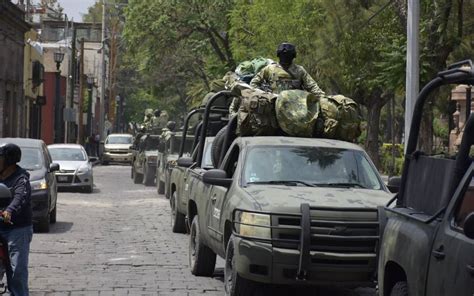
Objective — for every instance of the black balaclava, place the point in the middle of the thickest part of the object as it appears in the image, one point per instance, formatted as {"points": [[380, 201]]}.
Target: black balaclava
{"points": [[286, 52]]}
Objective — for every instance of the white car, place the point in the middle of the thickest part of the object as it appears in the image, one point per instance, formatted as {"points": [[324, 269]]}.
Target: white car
{"points": [[76, 167]]}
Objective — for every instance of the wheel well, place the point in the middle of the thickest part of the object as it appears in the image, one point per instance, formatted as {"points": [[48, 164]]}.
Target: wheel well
{"points": [[393, 273], [227, 232], [192, 211]]}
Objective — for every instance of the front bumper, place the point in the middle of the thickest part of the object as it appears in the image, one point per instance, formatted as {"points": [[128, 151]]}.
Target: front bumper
{"points": [[117, 157], [39, 204], [74, 180], [260, 262]]}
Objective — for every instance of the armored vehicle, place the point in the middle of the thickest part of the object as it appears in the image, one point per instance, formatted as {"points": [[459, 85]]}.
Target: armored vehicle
{"points": [[283, 210], [144, 160], [428, 239]]}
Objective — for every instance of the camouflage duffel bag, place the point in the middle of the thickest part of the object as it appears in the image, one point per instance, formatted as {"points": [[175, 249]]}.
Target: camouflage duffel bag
{"points": [[256, 115], [298, 113], [341, 118]]}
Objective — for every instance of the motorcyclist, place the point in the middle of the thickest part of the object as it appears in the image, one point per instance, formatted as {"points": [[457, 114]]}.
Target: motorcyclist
{"points": [[17, 228]]}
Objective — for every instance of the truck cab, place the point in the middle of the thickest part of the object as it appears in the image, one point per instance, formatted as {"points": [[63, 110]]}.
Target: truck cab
{"points": [[428, 238]]}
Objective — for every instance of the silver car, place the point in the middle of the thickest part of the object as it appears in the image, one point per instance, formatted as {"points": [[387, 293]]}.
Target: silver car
{"points": [[76, 167]]}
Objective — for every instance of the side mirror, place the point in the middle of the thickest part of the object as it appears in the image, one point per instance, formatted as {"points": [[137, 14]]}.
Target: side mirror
{"points": [[131, 147], [217, 177], [102, 142], [469, 226], [53, 167], [93, 159], [185, 162], [394, 184]]}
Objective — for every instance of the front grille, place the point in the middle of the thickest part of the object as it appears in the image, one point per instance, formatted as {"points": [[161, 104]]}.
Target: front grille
{"points": [[332, 230], [118, 151], [66, 171]]}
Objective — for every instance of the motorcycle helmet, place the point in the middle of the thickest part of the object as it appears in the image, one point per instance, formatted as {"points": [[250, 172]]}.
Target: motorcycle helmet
{"points": [[11, 152]]}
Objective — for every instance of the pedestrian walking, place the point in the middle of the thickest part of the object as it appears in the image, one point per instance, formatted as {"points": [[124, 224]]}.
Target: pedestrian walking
{"points": [[17, 227]]}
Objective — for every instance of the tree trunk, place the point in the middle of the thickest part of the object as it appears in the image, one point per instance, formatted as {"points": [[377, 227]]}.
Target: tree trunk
{"points": [[373, 129]]}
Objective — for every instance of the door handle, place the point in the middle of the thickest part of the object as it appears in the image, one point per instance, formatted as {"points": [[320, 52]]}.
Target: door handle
{"points": [[438, 253], [470, 269]]}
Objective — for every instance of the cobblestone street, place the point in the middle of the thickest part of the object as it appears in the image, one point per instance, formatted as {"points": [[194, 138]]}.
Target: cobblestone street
{"points": [[118, 241]]}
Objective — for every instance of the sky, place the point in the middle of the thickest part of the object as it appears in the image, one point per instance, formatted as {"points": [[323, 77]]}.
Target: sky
{"points": [[75, 8]]}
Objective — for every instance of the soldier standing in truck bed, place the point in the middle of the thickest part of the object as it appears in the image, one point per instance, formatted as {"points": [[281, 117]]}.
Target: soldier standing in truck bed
{"points": [[285, 75]]}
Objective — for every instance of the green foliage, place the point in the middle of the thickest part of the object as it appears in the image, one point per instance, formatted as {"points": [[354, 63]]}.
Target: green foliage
{"points": [[391, 164]]}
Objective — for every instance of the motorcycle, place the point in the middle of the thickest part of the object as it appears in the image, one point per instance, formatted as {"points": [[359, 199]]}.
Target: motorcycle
{"points": [[5, 198]]}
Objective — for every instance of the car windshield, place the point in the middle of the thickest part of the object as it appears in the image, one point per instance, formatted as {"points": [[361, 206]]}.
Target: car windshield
{"points": [[31, 159], [119, 140], [68, 154], [310, 166]]}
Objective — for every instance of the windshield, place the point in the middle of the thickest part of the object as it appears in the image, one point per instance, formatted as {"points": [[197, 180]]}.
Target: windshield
{"points": [[318, 166], [119, 140], [31, 159], [68, 154]]}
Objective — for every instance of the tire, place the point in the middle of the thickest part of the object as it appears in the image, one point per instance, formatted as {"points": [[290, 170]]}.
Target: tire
{"points": [[137, 178], [202, 260], [43, 225], [234, 285], [149, 177], [217, 146], [161, 187], [52, 217], [399, 289], [89, 189], [178, 221]]}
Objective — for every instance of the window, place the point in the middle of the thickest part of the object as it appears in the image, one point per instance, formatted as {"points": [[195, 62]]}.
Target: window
{"points": [[232, 161], [466, 205]]}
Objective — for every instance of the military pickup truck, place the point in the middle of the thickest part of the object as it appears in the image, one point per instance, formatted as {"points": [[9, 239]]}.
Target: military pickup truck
{"points": [[428, 238], [168, 154], [190, 165], [285, 210], [144, 159]]}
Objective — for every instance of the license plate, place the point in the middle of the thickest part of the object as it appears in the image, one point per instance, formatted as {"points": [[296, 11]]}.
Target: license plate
{"points": [[62, 178]]}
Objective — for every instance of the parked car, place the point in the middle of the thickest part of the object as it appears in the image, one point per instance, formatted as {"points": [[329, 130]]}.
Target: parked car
{"points": [[35, 158], [117, 148], [76, 167]]}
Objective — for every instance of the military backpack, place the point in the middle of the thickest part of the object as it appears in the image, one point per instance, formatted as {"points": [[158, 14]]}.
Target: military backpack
{"points": [[256, 115]]}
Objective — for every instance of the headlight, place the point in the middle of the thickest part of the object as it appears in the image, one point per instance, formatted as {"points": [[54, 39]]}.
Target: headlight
{"points": [[39, 184], [82, 169], [253, 225]]}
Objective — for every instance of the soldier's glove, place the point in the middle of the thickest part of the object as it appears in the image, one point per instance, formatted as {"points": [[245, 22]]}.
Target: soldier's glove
{"points": [[7, 217]]}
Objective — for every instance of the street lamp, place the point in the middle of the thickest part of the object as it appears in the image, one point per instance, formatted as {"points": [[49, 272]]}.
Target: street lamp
{"points": [[58, 58], [118, 100], [90, 85]]}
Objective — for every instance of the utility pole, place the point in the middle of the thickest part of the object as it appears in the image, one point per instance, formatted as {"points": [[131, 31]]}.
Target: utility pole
{"points": [[81, 95], [413, 70], [103, 78], [70, 103]]}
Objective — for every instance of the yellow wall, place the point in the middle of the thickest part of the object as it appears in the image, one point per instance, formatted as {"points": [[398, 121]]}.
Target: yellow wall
{"points": [[31, 55]]}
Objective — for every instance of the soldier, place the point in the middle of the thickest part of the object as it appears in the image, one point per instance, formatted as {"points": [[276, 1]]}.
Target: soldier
{"points": [[285, 75]]}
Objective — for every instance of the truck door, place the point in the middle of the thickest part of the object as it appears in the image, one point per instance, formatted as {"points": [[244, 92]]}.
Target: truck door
{"points": [[218, 197], [451, 270]]}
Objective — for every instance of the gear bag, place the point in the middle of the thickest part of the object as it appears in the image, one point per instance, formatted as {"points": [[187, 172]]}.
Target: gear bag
{"points": [[256, 115], [341, 118]]}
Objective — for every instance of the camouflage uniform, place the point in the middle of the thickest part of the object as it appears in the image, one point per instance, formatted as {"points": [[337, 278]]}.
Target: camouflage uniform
{"points": [[278, 79]]}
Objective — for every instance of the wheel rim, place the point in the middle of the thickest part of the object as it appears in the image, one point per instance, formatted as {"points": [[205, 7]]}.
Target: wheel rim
{"points": [[228, 269], [192, 245]]}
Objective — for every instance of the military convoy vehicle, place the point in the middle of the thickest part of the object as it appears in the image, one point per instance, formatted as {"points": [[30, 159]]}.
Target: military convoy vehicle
{"points": [[145, 159], [428, 238], [280, 209], [168, 154]]}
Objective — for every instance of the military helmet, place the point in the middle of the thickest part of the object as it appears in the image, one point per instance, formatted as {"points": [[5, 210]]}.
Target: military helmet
{"points": [[11, 153], [148, 112], [286, 48], [297, 112]]}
